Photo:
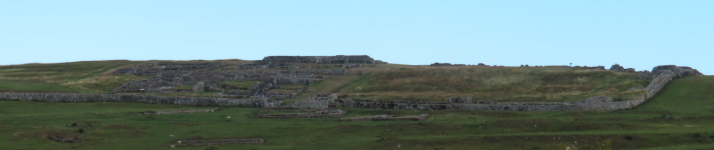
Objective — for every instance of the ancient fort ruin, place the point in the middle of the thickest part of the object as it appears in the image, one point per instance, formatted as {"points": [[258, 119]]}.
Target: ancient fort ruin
{"points": [[275, 78]]}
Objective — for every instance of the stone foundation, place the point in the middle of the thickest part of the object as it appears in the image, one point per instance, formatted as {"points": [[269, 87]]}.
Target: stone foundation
{"points": [[421, 117]]}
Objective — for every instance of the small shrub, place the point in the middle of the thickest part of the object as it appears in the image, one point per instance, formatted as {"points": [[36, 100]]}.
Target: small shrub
{"points": [[80, 130]]}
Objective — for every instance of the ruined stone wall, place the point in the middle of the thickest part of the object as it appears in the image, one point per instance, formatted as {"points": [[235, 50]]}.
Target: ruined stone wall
{"points": [[149, 99], [339, 59], [319, 101], [185, 111], [333, 113], [212, 79]]}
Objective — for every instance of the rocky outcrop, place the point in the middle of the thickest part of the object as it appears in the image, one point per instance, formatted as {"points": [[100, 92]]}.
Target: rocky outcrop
{"points": [[678, 71]]}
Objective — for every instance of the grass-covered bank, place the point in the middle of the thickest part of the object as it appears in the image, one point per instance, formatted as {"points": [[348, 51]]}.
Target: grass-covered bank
{"points": [[527, 84], [680, 117]]}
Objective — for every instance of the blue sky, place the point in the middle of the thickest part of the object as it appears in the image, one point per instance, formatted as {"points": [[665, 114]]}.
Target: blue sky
{"points": [[639, 34]]}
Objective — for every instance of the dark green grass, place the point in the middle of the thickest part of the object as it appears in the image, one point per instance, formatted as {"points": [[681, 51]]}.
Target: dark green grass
{"points": [[680, 117]]}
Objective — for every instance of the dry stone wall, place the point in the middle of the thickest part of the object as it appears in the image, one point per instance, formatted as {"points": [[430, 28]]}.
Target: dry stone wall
{"points": [[149, 99], [333, 113], [185, 111]]}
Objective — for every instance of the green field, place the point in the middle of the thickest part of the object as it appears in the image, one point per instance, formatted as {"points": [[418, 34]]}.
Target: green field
{"points": [[680, 117]]}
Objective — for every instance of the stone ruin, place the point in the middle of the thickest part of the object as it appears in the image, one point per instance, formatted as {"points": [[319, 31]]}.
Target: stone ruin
{"points": [[339, 59], [446, 64], [317, 102], [211, 81], [149, 112], [385, 117], [287, 62], [220, 142], [332, 113], [166, 76], [203, 77]]}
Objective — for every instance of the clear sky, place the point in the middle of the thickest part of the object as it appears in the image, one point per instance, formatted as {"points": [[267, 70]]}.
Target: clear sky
{"points": [[634, 33]]}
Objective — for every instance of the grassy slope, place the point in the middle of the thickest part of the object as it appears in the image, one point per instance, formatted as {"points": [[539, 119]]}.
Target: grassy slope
{"points": [[651, 126], [495, 83], [75, 77], [82, 77]]}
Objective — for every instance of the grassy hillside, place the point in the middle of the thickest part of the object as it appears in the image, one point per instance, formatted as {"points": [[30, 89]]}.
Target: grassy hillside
{"points": [[74, 77], [383, 81], [83, 77], [680, 117], [495, 83]]}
